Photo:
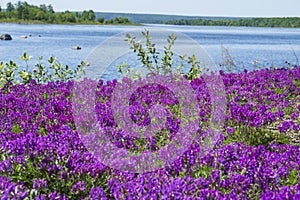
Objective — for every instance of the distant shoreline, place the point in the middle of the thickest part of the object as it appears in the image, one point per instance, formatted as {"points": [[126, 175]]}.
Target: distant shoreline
{"points": [[221, 23], [63, 23]]}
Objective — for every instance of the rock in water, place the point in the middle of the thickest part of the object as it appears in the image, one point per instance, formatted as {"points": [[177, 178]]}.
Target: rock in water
{"points": [[5, 37], [76, 47]]}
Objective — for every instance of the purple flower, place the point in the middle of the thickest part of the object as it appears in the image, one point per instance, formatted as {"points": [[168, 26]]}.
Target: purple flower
{"points": [[285, 126], [97, 193], [78, 187], [39, 184], [230, 130]]}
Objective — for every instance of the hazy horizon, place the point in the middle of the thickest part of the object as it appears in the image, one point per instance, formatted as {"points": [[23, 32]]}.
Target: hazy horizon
{"points": [[225, 8]]}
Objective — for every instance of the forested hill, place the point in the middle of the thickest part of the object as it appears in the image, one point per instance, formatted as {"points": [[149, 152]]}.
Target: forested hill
{"points": [[157, 18], [290, 22]]}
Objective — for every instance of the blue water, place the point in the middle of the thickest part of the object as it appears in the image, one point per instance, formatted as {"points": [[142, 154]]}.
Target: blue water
{"points": [[246, 45]]}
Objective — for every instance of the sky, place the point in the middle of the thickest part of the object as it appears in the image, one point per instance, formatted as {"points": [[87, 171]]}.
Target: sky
{"points": [[231, 8]]}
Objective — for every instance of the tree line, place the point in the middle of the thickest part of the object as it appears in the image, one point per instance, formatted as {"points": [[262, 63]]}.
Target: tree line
{"points": [[291, 22], [22, 11]]}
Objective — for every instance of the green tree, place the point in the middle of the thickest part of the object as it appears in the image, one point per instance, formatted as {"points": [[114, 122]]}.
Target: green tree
{"points": [[2, 14], [20, 10], [68, 16], [77, 15], [85, 15], [100, 20], [43, 7], [91, 15], [39, 15], [88, 16], [50, 8], [10, 7], [118, 20]]}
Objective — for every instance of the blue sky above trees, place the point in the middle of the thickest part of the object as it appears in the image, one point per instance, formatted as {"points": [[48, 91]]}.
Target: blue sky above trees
{"points": [[246, 8]]}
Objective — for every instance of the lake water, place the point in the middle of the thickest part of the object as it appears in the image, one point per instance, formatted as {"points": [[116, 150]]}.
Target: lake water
{"points": [[246, 45]]}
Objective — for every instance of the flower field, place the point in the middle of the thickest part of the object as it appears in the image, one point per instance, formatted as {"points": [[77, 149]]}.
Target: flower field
{"points": [[257, 155]]}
